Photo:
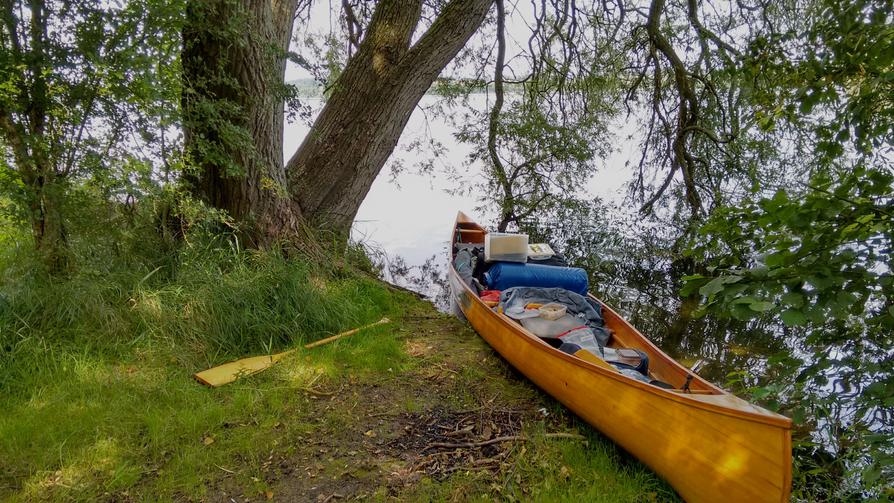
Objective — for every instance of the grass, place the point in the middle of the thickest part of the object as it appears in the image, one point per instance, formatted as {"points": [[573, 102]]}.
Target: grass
{"points": [[99, 402]]}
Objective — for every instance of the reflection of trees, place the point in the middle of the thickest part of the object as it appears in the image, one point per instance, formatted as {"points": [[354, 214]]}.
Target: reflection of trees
{"points": [[638, 270], [428, 279]]}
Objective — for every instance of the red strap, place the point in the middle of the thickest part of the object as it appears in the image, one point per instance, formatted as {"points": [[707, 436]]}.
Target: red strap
{"points": [[563, 334]]}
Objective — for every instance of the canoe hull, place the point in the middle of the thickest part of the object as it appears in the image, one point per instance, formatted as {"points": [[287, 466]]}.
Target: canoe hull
{"points": [[706, 451]]}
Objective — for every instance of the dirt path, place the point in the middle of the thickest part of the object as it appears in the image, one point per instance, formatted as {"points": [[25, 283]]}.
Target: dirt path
{"points": [[451, 422]]}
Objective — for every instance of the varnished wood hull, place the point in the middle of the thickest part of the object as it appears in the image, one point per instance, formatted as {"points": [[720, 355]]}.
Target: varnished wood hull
{"points": [[709, 445]]}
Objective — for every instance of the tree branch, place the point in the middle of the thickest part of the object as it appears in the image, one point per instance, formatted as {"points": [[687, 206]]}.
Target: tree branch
{"points": [[493, 122], [14, 136], [446, 36], [692, 14], [9, 20], [355, 31], [687, 111]]}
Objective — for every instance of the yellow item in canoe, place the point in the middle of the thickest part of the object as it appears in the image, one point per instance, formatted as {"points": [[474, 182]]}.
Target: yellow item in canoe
{"points": [[585, 355], [229, 372]]}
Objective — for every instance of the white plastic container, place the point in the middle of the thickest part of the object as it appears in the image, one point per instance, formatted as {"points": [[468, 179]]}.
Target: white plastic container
{"points": [[552, 311], [540, 251], [505, 247]]}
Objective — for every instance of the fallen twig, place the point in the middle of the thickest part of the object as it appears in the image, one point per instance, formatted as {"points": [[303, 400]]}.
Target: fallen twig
{"points": [[488, 461], [441, 366], [467, 429], [317, 393], [476, 468], [466, 445]]}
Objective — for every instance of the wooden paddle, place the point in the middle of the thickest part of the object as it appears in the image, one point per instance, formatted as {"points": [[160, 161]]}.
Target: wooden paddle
{"points": [[229, 372]]}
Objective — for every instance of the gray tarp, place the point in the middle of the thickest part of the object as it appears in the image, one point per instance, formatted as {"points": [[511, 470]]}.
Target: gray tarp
{"points": [[588, 310], [464, 263]]}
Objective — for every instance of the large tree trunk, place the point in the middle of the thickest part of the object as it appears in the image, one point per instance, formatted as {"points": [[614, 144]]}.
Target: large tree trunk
{"points": [[233, 68], [231, 82], [373, 99]]}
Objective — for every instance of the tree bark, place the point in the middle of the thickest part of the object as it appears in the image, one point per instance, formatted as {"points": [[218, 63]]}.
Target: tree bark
{"points": [[233, 69], [45, 186], [357, 130], [48, 225], [232, 80]]}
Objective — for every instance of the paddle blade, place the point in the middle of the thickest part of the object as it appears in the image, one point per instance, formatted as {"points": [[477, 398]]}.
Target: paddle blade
{"points": [[229, 372]]}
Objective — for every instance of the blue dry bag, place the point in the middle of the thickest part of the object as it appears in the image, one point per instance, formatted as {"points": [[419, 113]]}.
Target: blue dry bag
{"points": [[504, 275]]}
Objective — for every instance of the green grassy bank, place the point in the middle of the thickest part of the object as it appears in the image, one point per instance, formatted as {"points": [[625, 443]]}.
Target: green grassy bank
{"points": [[99, 403]]}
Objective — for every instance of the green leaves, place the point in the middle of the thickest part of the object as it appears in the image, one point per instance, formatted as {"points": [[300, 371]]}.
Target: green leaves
{"points": [[86, 89], [815, 262], [761, 306], [716, 285], [793, 318], [793, 299]]}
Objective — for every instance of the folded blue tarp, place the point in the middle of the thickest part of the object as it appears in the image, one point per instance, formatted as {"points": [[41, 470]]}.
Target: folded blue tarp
{"points": [[504, 275]]}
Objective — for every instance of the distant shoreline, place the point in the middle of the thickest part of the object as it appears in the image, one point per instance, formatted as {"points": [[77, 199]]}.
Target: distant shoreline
{"points": [[311, 88]]}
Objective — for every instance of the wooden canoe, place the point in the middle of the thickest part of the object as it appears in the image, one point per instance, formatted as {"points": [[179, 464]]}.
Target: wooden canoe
{"points": [[708, 444]]}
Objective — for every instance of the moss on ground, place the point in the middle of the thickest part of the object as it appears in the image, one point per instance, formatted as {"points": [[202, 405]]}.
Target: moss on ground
{"points": [[353, 419]]}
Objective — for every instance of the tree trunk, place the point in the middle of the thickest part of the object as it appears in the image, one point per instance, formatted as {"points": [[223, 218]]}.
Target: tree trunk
{"points": [[373, 99], [48, 225], [26, 134], [44, 192], [231, 77], [233, 69]]}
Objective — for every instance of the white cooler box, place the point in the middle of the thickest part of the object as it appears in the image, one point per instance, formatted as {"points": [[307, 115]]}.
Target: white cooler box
{"points": [[500, 247]]}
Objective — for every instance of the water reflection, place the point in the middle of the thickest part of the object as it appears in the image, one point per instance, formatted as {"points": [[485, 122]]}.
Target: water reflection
{"points": [[726, 346]]}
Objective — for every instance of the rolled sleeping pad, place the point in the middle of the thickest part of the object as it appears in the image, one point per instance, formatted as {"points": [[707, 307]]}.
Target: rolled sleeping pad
{"points": [[503, 275]]}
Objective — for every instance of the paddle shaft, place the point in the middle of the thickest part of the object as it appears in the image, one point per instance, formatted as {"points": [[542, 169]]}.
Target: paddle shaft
{"points": [[229, 372], [327, 340]]}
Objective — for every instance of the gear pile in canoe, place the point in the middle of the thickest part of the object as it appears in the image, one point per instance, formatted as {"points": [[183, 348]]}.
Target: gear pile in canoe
{"points": [[537, 313]]}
